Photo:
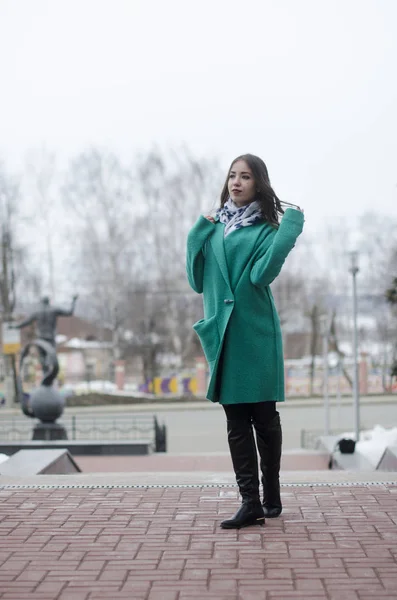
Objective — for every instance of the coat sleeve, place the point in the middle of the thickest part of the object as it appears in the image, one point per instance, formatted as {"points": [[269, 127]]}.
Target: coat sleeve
{"points": [[194, 255], [268, 265]]}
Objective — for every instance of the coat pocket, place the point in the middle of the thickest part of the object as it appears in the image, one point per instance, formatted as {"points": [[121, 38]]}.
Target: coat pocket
{"points": [[207, 330]]}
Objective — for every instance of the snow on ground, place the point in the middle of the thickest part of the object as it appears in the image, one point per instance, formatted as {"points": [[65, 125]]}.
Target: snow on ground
{"points": [[3, 458], [374, 442], [107, 387], [93, 386]]}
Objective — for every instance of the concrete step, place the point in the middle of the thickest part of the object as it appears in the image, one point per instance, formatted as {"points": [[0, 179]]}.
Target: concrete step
{"points": [[39, 462], [195, 479]]}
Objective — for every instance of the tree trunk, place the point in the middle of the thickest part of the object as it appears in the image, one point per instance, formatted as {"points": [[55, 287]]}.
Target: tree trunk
{"points": [[313, 315], [334, 346]]}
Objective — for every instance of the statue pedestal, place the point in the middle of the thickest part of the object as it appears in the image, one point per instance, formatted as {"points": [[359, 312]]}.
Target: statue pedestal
{"points": [[49, 432]]}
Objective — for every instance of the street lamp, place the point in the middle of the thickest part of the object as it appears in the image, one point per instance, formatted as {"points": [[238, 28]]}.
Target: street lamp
{"points": [[356, 391]]}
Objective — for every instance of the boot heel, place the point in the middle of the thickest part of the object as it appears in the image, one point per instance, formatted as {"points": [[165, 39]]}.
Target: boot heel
{"points": [[272, 512]]}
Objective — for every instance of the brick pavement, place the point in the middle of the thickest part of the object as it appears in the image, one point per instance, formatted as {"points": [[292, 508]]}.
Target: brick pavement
{"points": [[334, 542]]}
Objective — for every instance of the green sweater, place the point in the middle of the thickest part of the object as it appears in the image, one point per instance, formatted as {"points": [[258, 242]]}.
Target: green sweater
{"points": [[240, 333]]}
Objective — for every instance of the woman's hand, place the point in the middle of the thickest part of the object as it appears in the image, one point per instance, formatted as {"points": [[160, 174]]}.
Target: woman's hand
{"points": [[210, 219]]}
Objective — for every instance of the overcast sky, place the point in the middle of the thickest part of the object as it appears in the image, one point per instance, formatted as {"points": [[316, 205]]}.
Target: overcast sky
{"points": [[308, 85]]}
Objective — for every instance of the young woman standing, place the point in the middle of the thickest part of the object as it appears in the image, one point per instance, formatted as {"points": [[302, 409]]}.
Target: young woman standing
{"points": [[232, 259]]}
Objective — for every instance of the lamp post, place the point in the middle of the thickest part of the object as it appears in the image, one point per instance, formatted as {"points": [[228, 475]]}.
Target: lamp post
{"points": [[356, 391]]}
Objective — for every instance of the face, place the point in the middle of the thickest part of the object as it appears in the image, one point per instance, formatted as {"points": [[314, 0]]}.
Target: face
{"points": [[241, 184]]}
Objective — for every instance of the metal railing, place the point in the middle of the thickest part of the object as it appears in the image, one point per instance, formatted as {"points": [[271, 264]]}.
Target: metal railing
{"points": [[102, 428]]}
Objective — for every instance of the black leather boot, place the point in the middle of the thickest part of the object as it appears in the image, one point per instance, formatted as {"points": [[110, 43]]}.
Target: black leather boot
{"points": [[249, 513], [245, 464], [269, 440]]}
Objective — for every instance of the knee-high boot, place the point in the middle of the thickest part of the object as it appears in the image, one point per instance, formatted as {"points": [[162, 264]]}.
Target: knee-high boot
{"points": [[245, 464], [269, 440]]}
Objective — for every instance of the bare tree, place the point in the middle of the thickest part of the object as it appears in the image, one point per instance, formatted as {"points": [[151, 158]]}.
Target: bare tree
{"points": [[373, 235], [317, 304], [99, 193], [314, 317], [10, 256], [176, 188], [42, 188], [130, 228], [290, 293], [334, 346], [8, 211], [391, 298]]}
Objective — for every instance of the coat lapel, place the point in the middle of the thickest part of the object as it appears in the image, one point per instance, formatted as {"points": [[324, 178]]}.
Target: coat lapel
{"points": [[251, 235], [217, 243]]}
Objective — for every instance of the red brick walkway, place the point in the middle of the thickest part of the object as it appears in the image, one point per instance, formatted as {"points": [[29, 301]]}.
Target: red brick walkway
{"points": [[332, 542]]}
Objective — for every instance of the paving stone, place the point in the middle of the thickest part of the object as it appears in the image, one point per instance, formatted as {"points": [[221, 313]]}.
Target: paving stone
{"points": [[166, 544]]}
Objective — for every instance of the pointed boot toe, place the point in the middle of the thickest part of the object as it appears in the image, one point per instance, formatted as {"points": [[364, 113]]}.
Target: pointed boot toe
{"points": [[248, 514]]}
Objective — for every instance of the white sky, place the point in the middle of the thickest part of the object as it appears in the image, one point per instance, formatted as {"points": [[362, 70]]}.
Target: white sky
{"points": [[309, 85]]}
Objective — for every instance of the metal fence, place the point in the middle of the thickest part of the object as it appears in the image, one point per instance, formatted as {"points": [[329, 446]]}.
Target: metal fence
{"points": [[102, 428]]}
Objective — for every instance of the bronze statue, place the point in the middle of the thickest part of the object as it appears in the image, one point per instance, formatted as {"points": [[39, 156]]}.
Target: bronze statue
{"points": [[46, 319], [45, 403]]}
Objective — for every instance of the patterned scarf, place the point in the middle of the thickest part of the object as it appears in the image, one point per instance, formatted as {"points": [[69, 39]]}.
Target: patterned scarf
{"points": [[235, 217]]}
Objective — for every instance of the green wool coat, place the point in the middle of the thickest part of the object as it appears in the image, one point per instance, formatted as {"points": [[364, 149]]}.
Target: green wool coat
{"points": [[240, 333]]}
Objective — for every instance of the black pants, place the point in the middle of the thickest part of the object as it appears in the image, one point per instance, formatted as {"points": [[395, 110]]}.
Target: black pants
{"points": [[262, 412]]}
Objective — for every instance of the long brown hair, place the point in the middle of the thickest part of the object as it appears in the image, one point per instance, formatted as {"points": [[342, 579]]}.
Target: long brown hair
{"points": [[269, 203]]}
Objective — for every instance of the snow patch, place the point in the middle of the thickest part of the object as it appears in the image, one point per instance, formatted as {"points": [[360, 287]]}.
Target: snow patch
{"points": [[374, 442]]}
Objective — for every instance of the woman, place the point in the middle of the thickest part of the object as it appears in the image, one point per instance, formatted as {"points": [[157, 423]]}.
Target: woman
{"points": [[232, 259]]}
